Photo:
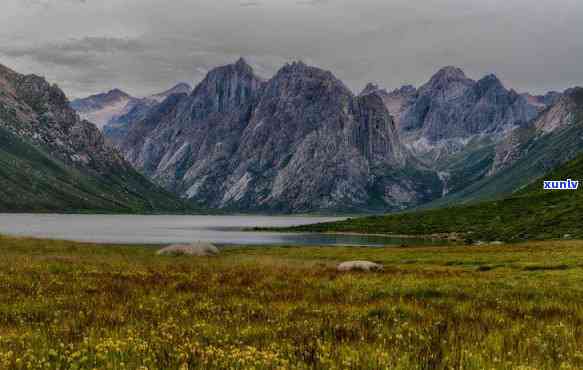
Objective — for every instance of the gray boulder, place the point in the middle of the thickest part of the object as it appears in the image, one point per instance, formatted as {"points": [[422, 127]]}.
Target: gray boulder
{"points": [[359, 266], [195, 249]]}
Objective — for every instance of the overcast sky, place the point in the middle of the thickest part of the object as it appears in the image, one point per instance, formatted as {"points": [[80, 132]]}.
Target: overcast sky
{"points": [[144, 46]]}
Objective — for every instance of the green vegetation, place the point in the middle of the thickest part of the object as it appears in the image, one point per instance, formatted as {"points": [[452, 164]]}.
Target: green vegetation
{"points": [[531, 213], [65, 305], [31, 180], [541, 154]]}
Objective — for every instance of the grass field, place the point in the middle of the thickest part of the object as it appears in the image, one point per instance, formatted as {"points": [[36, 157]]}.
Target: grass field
{"points": [[68, 305]]}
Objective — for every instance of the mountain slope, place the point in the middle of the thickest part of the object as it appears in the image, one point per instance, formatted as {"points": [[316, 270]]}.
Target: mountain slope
{"points": [[532, 213], [553, 138], [50, 160]]}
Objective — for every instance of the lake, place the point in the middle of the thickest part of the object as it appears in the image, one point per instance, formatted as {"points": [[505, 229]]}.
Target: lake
{"points": [[160, 229]]}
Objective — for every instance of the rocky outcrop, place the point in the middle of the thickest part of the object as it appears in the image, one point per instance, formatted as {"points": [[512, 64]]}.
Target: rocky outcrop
{"points": [[300, 141]]}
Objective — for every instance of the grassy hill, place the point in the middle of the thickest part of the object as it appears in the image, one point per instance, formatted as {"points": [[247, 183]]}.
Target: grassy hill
{"points": [[32, 180], [531, 213]]}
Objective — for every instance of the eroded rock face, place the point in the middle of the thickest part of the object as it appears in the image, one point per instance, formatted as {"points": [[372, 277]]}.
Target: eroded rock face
{"points": [[300, 141]]}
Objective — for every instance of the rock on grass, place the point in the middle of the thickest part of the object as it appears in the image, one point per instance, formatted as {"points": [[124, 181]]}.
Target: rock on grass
{"points": [[195, 249], [359, 266]]}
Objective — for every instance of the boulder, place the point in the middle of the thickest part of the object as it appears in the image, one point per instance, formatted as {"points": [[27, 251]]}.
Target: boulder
{"points": [[359, 266], [195, 249]]}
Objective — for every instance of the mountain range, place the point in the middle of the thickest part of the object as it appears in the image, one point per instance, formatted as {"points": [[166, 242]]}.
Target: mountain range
{"points": [[298, 142], [301, 141], [52, 160]]}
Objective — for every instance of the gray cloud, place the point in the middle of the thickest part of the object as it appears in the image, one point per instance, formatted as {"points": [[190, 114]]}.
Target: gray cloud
{"points": [[48, 3], [144, 46], [250, 3], [312, 2]]}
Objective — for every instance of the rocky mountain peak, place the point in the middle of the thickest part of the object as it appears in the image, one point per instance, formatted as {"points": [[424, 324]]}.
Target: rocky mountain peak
{"points": [[447, 84], [41, 95], [225, 89], [242, 65], [447, 75], [299, 67], [237, 70], [6, 75], [117, 94], [488, 82], [307, 81], [576, 95], [180, 88], [406, 90], [371, 88]]}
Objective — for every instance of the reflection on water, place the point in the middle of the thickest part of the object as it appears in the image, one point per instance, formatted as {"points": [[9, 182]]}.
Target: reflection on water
{"points": [[156, 229]]}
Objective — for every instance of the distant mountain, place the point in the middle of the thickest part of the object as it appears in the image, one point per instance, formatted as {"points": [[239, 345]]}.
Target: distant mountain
{"points": [[101, 108], [51, 160], [114, 106], [443, 115], [298, 142], [181, 88]]}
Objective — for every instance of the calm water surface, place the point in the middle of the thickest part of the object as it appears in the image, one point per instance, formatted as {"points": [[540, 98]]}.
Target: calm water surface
{"points": [[157, 229]]}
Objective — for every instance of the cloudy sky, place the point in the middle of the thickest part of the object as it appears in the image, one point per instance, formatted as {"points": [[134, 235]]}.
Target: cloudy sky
{"points": [[144, 46]]}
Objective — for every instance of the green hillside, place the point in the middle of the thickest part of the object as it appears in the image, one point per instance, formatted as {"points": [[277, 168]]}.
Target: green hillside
{"points": [[532, 213], [541, 153], [31, 180]]}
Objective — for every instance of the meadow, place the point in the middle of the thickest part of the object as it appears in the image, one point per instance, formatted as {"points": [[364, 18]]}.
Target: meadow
{"points": [[66, 305]]}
